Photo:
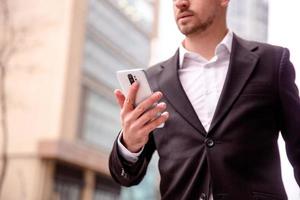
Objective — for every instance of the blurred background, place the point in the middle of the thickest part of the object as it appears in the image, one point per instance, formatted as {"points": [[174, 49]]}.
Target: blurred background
{"points": [[58, 60]]}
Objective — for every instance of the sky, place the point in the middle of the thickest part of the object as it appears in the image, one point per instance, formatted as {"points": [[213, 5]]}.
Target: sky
{"points": [[284, 30]]}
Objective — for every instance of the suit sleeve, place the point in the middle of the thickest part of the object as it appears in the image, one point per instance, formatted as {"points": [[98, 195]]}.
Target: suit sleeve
{"points": [[130, 173], [290, 112]]}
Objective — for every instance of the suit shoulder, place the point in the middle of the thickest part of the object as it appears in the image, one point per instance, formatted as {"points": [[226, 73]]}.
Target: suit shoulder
{"points": [[263, 47], [273, 52], [153, 70], [270, 47], [152, 74]]}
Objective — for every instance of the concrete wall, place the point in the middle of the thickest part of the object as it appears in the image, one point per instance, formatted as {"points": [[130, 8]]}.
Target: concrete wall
{"points": [[36, 73], [42, 88]]}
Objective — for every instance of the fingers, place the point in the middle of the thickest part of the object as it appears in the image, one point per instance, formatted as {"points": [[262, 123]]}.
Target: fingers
{"points": [[151, 114], [143, 127], [120, 97], [155, 123], [130, 99], [146, 104]]}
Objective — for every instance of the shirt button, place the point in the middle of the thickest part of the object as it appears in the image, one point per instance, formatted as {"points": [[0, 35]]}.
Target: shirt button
{"points": [[209, 142], [203, 196]]}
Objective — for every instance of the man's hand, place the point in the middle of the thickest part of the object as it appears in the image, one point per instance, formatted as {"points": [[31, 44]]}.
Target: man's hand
{"points": [[138, 122]]}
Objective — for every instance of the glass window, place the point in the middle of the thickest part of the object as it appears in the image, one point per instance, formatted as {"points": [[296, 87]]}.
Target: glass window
{"points": [[249, 18], [101, 121], [114, 41], [111, 27], [106, 189], [140, 11], [148, 188], [68, 183]]}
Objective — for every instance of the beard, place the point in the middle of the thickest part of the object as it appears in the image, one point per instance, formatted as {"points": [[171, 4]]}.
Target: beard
{"points": [[196, 25]]}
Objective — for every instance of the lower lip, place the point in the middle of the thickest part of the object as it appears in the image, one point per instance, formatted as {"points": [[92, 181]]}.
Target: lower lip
{"points": [[184, 18]]}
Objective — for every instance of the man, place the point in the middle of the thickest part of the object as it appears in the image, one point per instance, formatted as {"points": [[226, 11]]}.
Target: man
{"points": [[225, 101]]}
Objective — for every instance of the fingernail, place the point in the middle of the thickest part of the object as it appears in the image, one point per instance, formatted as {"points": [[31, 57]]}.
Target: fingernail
{"points": [[159, 94], [166, 114], [162, 104]]}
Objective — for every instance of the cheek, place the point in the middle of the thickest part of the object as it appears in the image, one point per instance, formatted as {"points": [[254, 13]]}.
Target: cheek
{"points": [[175, 11], [207, 13], [208, 6]]}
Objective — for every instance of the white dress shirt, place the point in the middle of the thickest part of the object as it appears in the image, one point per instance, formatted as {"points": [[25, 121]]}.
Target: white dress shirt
{"points": [[202, 81]]}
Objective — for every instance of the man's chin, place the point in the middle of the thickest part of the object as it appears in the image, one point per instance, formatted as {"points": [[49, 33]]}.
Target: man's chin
{"points": [[190, 30], [186, 30]]}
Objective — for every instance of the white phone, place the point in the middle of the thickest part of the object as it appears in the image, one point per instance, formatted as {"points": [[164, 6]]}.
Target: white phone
{"points": [[127, 77]]}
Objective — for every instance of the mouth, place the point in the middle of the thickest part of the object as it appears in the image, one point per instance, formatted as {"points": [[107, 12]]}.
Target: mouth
{"points": [[184, 15]]}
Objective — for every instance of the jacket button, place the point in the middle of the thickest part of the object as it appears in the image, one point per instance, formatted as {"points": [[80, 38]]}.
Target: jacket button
{"points": [[203, 196], [209, 143], [124, 174]]}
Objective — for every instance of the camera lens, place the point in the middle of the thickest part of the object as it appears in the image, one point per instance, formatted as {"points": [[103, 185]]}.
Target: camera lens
{"points": [[130, 78]]}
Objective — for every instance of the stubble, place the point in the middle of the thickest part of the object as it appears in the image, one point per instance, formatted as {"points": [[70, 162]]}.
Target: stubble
{"points": [[196, 25]]}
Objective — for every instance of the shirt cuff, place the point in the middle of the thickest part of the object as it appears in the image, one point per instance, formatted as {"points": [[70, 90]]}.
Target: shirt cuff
{"points": [[126, 154]]}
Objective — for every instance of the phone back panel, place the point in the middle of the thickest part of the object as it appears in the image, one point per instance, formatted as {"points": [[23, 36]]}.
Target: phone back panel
{"points": [[139, 75]]}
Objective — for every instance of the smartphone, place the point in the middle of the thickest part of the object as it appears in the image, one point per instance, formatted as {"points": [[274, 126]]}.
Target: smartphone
{"points": [[127, 77]]}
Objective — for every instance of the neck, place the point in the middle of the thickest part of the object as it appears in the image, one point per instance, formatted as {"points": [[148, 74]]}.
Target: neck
{"points": [[205, 43]]}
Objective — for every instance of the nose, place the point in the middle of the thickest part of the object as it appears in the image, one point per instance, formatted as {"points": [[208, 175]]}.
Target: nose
{"points": [[182, 4]]}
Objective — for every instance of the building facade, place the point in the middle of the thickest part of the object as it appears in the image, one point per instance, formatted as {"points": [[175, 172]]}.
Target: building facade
{"points": [[249, 19], [61, 112]]}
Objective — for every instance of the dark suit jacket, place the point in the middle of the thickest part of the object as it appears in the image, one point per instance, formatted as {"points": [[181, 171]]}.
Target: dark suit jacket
{"points": [[239, 154]]}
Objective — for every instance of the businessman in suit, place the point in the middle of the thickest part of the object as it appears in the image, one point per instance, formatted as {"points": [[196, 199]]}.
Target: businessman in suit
{"points": [[224, 101]]}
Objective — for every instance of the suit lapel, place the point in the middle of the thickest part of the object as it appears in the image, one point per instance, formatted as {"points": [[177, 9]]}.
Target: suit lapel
{"points": [[172, 89], [242, 64]]}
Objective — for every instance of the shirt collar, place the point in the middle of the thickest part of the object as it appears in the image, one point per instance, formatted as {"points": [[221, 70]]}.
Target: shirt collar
{"points": [[226, 42]]}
